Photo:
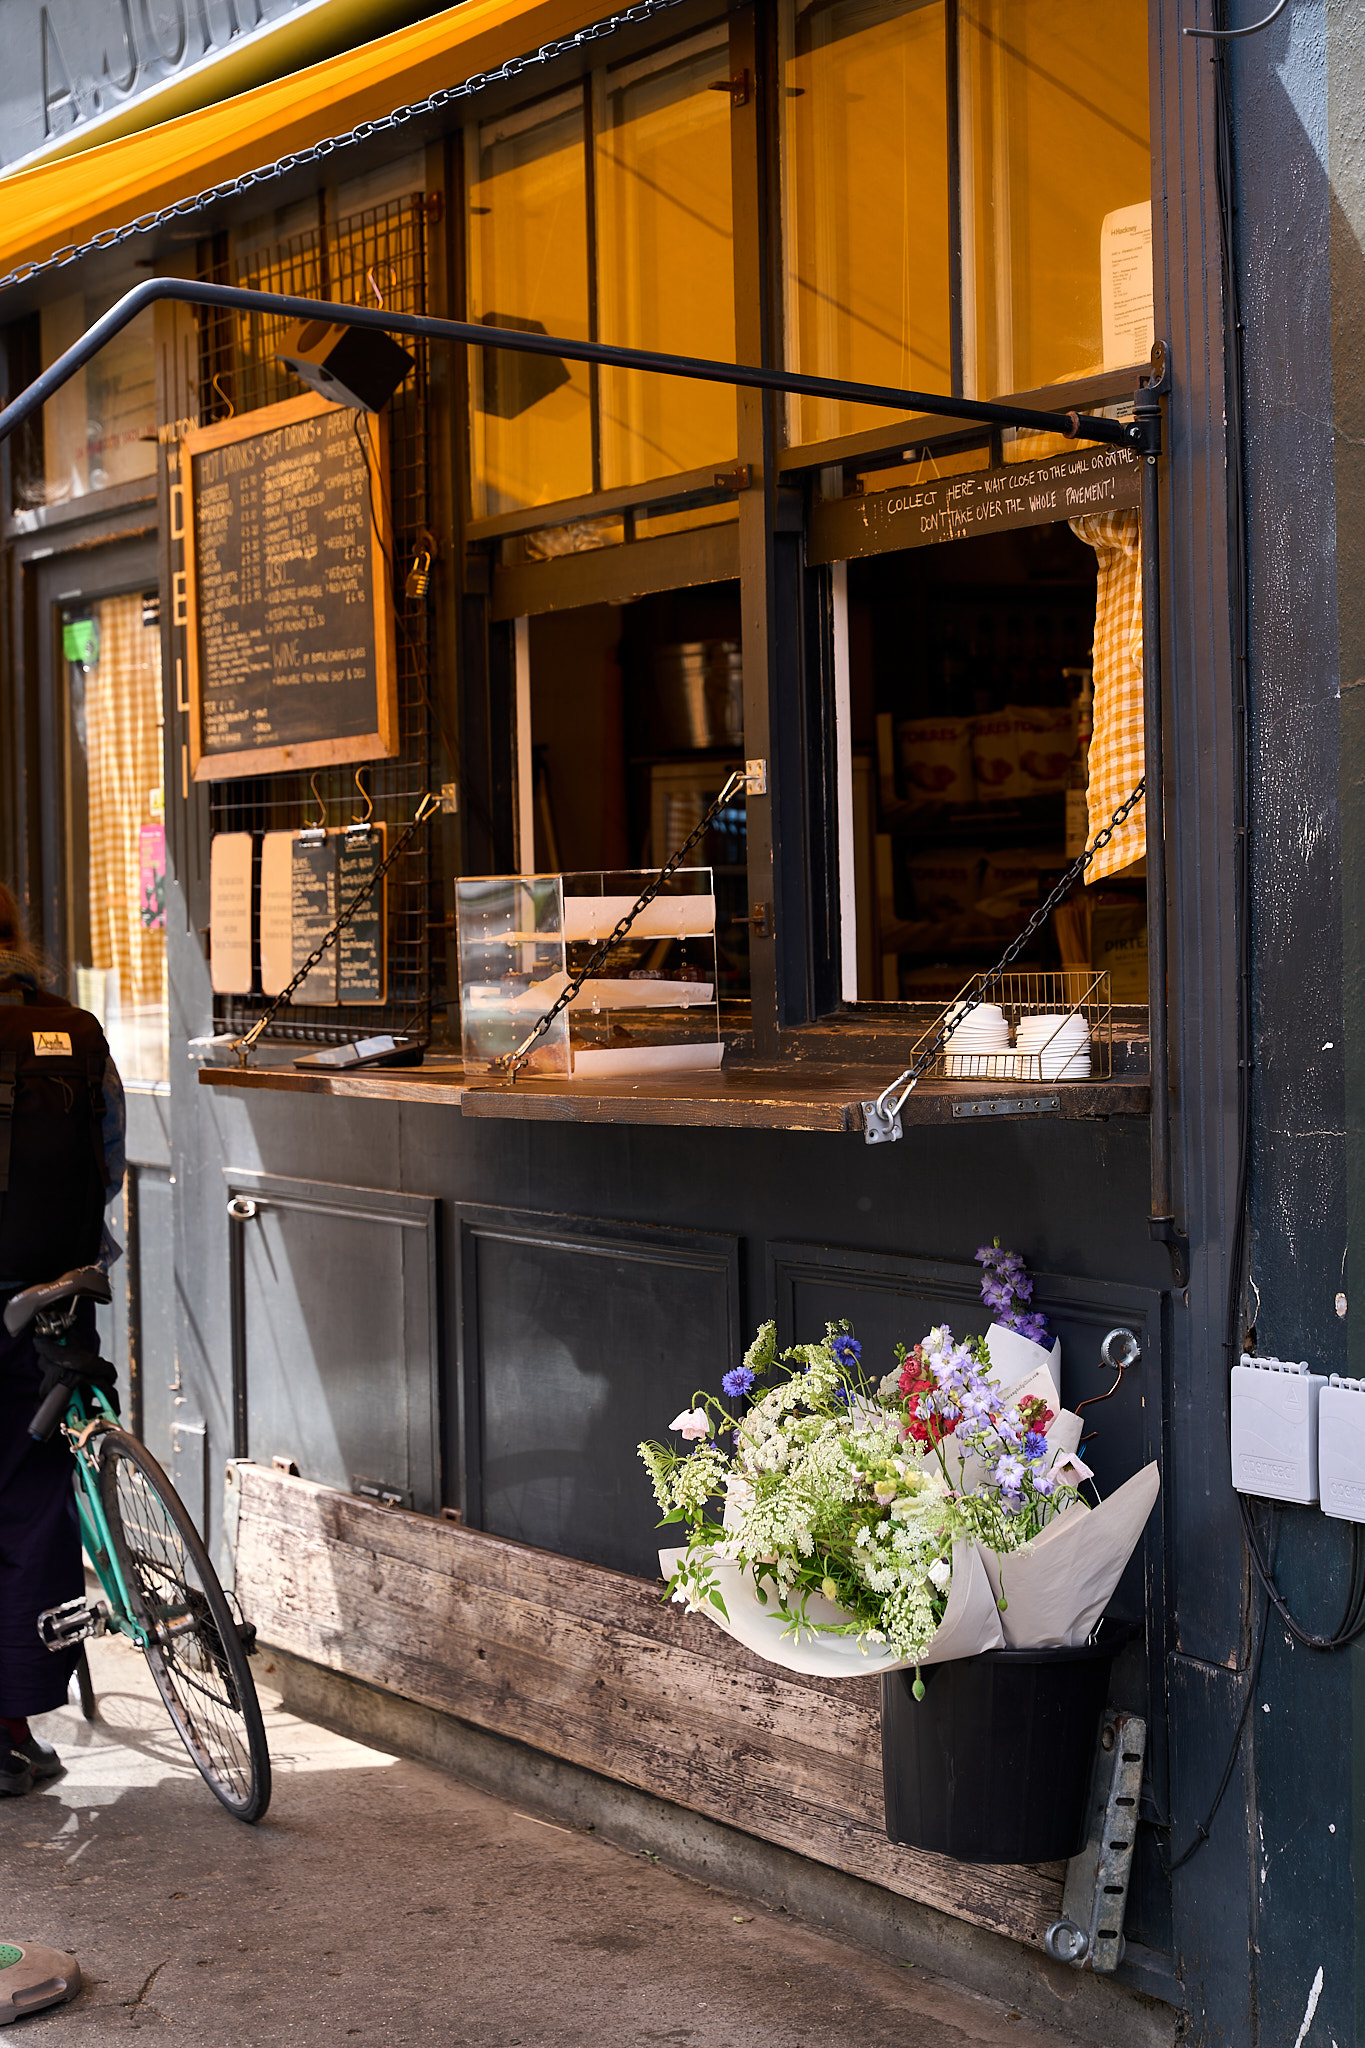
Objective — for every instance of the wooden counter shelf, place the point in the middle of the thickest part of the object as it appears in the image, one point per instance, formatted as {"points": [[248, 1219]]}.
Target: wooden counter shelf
{"points": [[746, 1094]]}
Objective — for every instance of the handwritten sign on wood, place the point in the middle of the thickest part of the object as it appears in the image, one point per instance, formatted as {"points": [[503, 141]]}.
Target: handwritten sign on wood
{"points": [[289, 608], [922, 514]]}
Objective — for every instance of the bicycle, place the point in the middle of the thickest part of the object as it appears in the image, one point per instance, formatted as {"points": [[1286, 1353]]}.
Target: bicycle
{"points": [[160, 1590]]}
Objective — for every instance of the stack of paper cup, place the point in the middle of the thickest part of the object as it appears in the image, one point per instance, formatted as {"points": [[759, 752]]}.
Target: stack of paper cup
{"points": [[1058, 1042], [978, 1048]]}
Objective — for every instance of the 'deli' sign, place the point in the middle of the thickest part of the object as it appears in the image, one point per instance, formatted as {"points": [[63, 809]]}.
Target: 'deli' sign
{"points": [[289, 608]]}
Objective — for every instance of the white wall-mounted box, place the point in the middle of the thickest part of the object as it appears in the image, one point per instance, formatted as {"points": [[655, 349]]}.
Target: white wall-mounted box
{"points": [[1275, 1429], [1341, 1449]]}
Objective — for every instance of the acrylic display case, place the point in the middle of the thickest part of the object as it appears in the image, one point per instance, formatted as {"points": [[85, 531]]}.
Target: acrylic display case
{"points": [[650, 1006]]}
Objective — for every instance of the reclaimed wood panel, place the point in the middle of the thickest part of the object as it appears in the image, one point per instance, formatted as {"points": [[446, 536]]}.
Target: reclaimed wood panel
{"points": [[591, 1666]]}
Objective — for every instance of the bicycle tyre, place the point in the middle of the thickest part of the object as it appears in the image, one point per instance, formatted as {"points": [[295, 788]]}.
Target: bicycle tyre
{"points": [[194, 1648]]}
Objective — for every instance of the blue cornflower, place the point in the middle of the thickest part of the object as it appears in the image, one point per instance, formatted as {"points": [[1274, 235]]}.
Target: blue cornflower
{"points": [[737, 1382], [1035, 1444], [846, 1349], [841, 1394]]}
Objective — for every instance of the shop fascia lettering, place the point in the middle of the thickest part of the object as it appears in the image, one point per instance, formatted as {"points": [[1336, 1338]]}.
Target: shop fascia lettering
{"points": [[70, 63]]}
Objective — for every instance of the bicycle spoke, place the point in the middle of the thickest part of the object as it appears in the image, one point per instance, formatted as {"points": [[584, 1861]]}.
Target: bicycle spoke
{"points": [[201, 1676]]}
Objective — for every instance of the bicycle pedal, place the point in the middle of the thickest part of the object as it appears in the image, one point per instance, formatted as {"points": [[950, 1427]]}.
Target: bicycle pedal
{"points": [[72, 1622]]}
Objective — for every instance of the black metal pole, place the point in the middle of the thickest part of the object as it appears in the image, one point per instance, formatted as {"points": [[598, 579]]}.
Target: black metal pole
{"points": [[1161, 1220], [234, 299]]}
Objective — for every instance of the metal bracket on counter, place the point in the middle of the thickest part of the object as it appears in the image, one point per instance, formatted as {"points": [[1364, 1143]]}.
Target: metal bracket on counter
{"points": [[1010, 1105], [1089, 1934]]}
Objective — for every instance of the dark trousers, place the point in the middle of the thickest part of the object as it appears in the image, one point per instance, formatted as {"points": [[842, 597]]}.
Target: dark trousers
{"points": [[40, 1537]]}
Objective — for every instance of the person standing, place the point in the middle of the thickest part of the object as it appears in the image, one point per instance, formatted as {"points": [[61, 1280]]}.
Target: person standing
{"points": [[61, 1163]]}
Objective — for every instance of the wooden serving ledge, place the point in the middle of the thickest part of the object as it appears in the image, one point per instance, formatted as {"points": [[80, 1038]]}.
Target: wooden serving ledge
{"points": [[745, 1094]]}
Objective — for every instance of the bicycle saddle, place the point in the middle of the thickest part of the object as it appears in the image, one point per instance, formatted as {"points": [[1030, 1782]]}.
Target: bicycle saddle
{"points": [[84, 1282]]}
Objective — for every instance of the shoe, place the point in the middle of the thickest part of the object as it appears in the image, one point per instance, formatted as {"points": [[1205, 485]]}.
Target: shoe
{"points": [[16, 1775], [43, 1758]]}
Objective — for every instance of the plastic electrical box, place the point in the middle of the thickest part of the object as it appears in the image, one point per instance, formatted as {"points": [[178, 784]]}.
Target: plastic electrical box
{"points": [[1341, 1449], [1275, 1429]]}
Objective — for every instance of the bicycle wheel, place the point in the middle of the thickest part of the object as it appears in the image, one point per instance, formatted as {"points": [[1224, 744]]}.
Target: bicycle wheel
{"points": [[194, 1645]]}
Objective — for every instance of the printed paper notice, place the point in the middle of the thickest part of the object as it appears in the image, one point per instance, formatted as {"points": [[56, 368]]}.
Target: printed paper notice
{"points": [[1126, 285], [230, 913], [277, 911]]}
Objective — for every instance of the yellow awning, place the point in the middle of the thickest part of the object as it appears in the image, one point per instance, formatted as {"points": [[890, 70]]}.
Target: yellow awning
{"points": [[66, 202]]}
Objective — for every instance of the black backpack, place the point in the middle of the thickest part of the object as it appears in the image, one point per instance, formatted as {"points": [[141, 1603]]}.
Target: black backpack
{"points": [[52, 1170]]}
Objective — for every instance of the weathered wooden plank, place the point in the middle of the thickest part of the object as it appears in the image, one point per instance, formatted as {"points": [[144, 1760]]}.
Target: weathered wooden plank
{"points": [[592, 1666]]}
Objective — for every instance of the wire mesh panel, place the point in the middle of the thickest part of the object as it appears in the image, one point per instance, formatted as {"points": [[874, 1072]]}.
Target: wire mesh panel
{"points": [[377, 255], [1053, 1024]]}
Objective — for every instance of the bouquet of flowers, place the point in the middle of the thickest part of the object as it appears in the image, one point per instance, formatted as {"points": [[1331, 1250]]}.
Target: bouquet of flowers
{"points": [[841, 1525]]}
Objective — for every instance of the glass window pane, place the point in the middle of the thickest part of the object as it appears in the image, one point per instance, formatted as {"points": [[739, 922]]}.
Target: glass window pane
{"points": [[100, 428], [528, 268], [117, 830], [665, 255], [867, 226], [1054, 142]]}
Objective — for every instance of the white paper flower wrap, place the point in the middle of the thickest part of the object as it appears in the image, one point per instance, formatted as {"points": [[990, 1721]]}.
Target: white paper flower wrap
{"points": [[970, 1624]]}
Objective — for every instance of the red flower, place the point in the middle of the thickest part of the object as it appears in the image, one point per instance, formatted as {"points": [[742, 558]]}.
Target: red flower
{"points": [[1035, 1414], [915, 1383]]}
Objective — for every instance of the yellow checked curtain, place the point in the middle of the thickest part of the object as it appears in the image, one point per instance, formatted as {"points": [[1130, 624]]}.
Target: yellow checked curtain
{"points": [[123, 762], [1116, 748]]}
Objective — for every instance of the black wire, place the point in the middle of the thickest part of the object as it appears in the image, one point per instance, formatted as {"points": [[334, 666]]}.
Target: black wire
{"points": [[1205, 1827]]}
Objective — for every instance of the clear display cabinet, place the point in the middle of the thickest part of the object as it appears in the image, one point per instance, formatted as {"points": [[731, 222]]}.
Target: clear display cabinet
{"points": [[650, 1005]]}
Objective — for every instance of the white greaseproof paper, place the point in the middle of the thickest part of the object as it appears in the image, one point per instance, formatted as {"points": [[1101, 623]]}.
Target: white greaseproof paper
{"points": [[971, 1623], [1057, 1586]]}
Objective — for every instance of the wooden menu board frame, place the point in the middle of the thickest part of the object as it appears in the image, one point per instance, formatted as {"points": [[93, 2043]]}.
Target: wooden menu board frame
{"points": [[323, 751]]}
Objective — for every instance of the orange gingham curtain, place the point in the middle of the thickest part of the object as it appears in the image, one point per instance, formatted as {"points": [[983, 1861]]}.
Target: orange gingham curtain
{"points": [[123, 760], [1116, 747]]}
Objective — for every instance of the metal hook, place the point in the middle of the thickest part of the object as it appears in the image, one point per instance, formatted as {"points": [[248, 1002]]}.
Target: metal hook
{"points": [[370, 281], [362, 817], [321, 824], [228, 401], [1119, 1350]]}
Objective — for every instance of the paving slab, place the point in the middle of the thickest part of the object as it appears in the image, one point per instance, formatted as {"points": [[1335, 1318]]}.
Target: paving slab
{"points": [[383, 1901]]}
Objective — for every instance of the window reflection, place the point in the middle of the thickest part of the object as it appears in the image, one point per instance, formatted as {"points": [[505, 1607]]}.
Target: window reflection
{"points": [[966, 195], [117, 840], [665, 254], [1055, 141], [528, 267], [867, 213]]}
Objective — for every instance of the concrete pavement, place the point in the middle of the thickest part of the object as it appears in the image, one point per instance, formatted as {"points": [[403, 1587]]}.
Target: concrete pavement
{"points": [[382, 1901]]}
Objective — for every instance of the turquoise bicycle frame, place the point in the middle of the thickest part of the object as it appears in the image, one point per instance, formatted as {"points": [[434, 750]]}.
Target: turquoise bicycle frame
{"points": [[86, 1413]]}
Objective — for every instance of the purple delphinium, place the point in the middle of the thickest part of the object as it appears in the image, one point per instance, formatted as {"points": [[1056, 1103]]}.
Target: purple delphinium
{"points": [[737, 1383], [1004, 1282]]}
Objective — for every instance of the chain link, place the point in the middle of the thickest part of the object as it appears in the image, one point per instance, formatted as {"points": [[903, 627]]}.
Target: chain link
{"points": [[319, 152], [955, 1016], [429, 804], [512, 1063]]}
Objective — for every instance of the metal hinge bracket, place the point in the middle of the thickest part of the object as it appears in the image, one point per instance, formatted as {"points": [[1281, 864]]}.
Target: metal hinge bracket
{"points": [[1089, 1934]]}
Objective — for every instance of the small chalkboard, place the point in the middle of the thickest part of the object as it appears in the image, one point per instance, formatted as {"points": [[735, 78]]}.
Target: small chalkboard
{"points": [[289, 608], [360, 975], [313, 910]]}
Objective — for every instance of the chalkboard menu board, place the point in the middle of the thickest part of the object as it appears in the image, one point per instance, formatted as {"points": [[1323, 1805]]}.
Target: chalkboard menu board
{"points": [[289, 608]]}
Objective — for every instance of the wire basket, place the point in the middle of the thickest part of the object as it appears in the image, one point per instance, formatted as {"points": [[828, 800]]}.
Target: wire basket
{"points": [[1001, 1041]]}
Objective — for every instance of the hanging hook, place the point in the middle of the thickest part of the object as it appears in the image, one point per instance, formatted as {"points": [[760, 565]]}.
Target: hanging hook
{"points": [[320, 824], [227, 400], [362, 817], [1119, 1350], [370, 281]]}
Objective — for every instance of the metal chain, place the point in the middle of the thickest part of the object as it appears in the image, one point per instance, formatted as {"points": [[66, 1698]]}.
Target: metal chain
{"points": [[319, 152], [512, 1063], [952, 1018], [243, 1046]]}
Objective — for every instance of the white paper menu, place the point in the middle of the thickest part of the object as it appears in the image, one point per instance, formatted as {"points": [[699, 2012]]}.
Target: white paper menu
{"points": [[277, 911], [230, 913], [1126, 285]]}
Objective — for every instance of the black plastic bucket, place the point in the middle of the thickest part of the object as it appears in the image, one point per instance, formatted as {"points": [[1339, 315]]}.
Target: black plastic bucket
{"points": [[993, 1764]]}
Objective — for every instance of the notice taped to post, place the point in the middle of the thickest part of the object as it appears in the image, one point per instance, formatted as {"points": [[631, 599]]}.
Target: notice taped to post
{"points": [[289, 609], [1126, 285]]}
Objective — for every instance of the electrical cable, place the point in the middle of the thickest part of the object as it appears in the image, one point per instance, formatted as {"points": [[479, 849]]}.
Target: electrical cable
{"points": [[1230, 35]]}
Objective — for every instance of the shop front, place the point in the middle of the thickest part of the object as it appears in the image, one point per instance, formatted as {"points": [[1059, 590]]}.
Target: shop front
{"points": [[428, 1312]]}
